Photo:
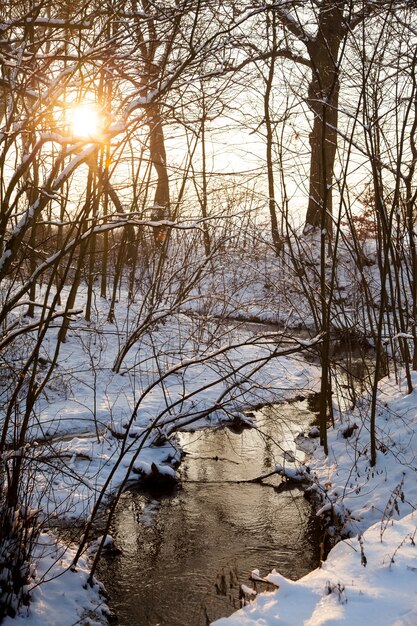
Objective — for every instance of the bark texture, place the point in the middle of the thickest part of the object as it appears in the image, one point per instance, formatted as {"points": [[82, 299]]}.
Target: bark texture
{"points": [[323, 100]]}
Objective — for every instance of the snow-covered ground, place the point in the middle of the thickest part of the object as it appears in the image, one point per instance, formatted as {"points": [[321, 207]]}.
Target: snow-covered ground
{"points": [[61, 595], [95, 419], [371, 577], [343, 591], [96, 426]]}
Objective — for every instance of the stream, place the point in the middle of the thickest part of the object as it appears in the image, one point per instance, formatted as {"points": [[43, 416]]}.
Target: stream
{"points": [[185, 554]]}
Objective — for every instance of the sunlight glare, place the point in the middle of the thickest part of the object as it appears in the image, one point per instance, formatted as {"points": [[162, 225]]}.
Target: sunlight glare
{"points": [[86, 121]]}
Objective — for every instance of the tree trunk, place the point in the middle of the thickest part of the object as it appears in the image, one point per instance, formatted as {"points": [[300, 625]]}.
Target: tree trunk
{"points": [[275, 233], [204, 201], [161, 205], [323, 100]]}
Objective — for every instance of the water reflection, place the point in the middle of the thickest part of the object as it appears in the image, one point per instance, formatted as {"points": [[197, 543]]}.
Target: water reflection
{"points": [[186, 554]]}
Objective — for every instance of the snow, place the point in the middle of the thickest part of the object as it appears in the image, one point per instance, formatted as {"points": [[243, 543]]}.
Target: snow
{"points": [[343, 591], [97, 408], [95, 418], [141, 101], [64, 597], [72, 165], [371, 576]]}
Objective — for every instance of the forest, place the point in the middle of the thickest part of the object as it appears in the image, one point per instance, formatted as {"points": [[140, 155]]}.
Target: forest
{"points": [[208, 225]]}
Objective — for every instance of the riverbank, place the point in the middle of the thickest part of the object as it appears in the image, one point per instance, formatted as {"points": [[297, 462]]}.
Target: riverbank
{"points": [[97, 425], [94, 428], [370, 576], [192, 546]]}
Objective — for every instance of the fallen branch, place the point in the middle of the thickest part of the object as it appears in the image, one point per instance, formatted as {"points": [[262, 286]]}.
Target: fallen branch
{"points": [[291, 474]]}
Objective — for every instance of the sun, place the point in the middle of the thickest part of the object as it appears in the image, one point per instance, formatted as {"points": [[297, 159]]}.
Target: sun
{"points": [[86, 121]]}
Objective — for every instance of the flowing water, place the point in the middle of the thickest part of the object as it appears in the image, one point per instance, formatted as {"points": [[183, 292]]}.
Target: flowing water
{"points": [[186, 553]]}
